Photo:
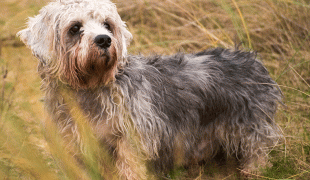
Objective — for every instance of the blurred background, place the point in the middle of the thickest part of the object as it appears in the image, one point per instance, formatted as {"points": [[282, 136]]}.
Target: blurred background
{"points": [[278, 30]]}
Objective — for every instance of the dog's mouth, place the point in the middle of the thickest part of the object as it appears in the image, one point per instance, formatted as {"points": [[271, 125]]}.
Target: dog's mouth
{"points": [[99, 64], [105, 56]]}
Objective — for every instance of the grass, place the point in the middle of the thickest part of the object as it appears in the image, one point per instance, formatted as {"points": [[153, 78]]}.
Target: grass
{"points": [[277, 29]]}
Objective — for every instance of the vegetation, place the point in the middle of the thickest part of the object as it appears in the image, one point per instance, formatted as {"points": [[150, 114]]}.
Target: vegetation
{"points": [[278, 30]]}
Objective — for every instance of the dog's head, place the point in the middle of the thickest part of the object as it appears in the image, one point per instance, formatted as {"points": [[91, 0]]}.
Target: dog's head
{"points": [[82, 42]]}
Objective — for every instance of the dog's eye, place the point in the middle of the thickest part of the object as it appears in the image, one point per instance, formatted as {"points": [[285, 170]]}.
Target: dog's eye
{"points": [[75, 29], [107, 26]]}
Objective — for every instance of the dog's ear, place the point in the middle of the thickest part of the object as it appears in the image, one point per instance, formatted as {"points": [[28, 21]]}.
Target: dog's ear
{"points": [[37, 34]]}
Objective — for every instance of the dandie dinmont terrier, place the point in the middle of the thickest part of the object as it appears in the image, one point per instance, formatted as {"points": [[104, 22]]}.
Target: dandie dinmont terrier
{"points": [[194, 105]]}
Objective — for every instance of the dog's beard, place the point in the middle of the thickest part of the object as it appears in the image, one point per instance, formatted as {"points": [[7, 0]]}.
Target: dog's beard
{"points": [[89, 68]]}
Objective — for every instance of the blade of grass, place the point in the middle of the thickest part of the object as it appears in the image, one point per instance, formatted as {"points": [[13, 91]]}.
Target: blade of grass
{"points": [[244, 24]]}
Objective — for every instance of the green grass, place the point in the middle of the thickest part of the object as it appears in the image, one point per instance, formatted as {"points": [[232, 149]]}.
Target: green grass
{"points": [[278, 30]]}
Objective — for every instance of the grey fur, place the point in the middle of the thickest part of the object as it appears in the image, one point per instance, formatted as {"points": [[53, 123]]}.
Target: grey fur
{"points": [[215, 98]]}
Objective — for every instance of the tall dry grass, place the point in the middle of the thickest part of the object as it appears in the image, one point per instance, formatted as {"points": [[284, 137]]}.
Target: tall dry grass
{"points": [[277, 29]]}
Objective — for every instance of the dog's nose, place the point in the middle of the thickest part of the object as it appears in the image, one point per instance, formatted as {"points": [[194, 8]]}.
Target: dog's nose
{"points": [[103, 41]]}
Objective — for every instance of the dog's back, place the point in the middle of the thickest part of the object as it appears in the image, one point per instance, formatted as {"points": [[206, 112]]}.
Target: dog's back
{"points": [[215, 99]]}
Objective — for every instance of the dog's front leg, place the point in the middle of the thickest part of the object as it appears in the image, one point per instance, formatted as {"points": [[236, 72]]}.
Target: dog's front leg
{"points": [[129, 162]]}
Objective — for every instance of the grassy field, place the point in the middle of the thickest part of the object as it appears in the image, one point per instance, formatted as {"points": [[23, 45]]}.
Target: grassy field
{"points": [[278, 30]]}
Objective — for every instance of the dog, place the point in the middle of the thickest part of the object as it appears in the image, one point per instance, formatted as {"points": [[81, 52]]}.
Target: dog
{"points": [[181, 109]]}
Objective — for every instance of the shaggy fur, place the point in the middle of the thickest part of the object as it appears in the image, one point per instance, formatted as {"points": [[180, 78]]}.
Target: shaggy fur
{"points": [[182, 109]]}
